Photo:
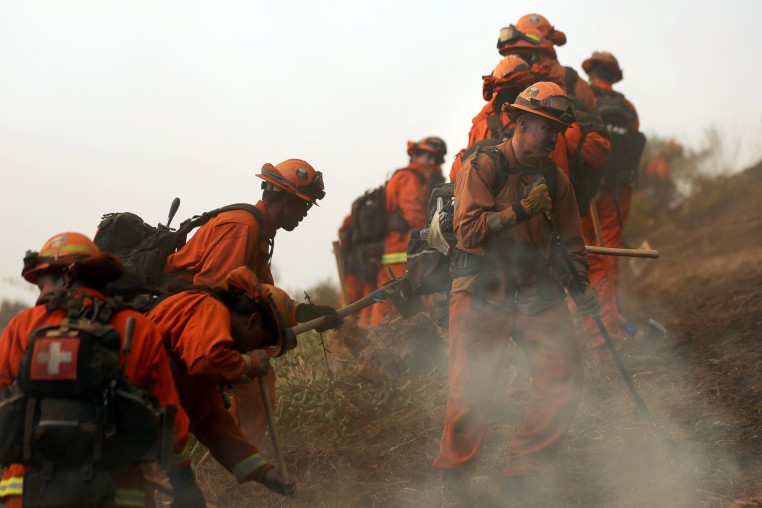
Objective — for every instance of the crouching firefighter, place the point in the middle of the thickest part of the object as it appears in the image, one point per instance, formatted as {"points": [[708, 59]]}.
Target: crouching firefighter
{"points": [[225, 337], [508, 283], [87, 393]]}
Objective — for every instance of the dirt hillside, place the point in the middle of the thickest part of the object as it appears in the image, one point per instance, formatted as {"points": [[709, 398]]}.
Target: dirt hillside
{"points": [[364, 433]]}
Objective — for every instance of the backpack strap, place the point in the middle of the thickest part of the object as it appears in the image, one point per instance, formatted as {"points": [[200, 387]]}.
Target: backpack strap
{"points": [[196, 221], [500, 161]]}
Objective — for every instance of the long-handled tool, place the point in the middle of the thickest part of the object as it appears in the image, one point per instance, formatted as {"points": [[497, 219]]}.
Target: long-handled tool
{"points": [[633, 253], [577, 288], [282, 469], [394, 288]]}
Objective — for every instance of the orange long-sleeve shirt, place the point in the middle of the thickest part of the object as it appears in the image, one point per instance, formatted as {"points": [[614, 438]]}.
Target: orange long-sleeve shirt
{"points": [[230, 240], [526, 244], [406, 192], [195, 328], [146, 367]]}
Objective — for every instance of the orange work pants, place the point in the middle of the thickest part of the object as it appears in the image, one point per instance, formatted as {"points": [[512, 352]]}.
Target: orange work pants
{"points": [[248, 408], [386, 310], [478, 340], [356, 289], [603, 269]]}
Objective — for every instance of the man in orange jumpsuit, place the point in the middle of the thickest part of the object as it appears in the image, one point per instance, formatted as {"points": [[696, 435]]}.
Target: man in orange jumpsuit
{"points": [[613, 201], [407, 195], [359, 277], [511, 75], [586, 144], [221, 338], [503, 287], [70, 268], [657, 175], [239, 238]]}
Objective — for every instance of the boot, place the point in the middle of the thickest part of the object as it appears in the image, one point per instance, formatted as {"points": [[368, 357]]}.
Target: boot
{"points": [[455, 489]]}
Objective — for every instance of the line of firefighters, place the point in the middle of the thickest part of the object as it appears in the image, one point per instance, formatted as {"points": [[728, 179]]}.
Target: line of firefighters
{"points": [[507, 282]]}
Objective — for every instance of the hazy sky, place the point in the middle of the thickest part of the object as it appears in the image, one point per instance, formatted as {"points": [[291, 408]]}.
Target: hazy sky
{"points": [[115, 106]]}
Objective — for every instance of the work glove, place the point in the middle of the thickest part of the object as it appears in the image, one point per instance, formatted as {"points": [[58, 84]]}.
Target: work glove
{"points": [[185, 491], [276, 483], [309, 311], [537, 201], [587, 300], [257, 363]]}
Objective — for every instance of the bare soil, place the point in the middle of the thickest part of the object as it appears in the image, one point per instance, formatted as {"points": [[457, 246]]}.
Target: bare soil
{"points": [[365, 434]]}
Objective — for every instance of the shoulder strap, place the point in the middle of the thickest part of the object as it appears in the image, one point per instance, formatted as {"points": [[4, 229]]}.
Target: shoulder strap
{"points": [[196, 221], [504, 170], [421, 178]]}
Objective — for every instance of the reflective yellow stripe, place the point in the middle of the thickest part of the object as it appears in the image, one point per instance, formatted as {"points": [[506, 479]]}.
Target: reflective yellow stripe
{"points": [[13, 486], [183, 456], [248, 466], [130, 497], [395, 257]]}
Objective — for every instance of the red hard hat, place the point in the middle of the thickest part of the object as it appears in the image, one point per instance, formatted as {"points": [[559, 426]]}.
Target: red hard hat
{"points": [[606, 61], [296, 177], [511, 72], [76, 249], [541, 23], [544, 99], [281, 306]]}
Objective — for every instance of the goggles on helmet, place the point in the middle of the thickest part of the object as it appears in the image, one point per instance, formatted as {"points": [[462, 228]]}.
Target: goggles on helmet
{"points": [[314, 188], [560, 106], [511, 33]]}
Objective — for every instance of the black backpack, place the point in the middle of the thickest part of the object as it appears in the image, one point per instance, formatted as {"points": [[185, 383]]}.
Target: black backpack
{"points": [[71, 414], [370, 222], [627, 145], [429, 267], [144, 249], [584, 180]]}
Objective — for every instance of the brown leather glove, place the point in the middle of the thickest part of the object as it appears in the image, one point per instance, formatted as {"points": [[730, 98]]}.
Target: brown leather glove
{"points": [[538, 200], [587, 301], [257, 363]]}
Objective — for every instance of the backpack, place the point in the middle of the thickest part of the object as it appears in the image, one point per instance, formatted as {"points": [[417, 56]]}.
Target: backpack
{"points": [[144, 249], [621, 167], [71, 414], [584, 180], [430, 250], [370, 222]]}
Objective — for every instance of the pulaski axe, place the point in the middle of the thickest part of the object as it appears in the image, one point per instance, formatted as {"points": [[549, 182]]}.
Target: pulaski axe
{"points": [[398, 290]]}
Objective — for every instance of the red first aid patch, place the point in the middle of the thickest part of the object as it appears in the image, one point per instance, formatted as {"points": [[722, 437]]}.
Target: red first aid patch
{"points": [[54, 359]]}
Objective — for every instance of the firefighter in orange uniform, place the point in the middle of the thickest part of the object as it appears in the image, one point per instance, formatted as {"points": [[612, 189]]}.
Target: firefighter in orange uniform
{"points": [[359, 277], [613, 201], [70, 269], [407, 194], [511, 75], [586, 143], [219, 338], [507, 283], [239, 238]]}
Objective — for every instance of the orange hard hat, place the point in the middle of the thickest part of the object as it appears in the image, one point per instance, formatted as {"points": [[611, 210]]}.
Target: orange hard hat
{"points": [[76, 249], [544, 99], [296, 177], [541, 23], [603, 60], [512, 39], [433, 144], [511, 72], [281, 306]]}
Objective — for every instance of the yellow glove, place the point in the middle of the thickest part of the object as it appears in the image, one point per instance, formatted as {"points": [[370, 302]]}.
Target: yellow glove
{"points": [[538, 200]]}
